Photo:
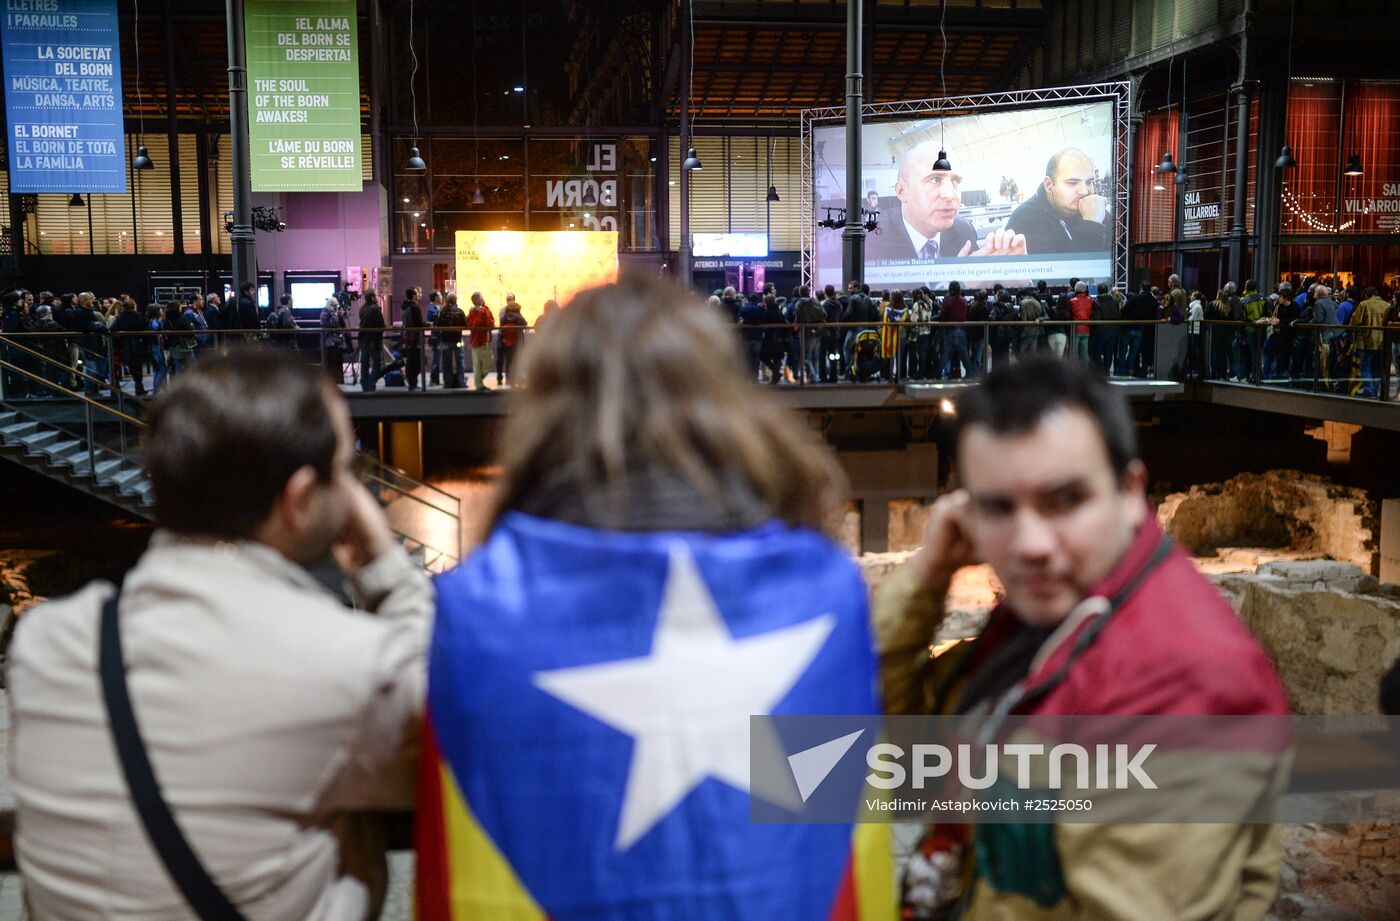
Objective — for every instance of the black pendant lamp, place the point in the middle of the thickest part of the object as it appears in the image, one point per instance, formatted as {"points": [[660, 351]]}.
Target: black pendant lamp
{"points": [[773, 194], [1354, 167], [942, 162], [1285, 159], [692, 160]]}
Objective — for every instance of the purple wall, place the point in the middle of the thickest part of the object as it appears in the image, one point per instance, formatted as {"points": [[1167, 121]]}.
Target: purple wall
{"points": [[325, 231]]}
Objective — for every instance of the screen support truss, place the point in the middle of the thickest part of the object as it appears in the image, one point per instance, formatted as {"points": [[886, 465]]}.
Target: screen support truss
{"points": [[1119, 93]]}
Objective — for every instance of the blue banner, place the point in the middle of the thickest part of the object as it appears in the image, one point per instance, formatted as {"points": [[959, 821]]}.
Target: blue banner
{"points": [[63, 96]]}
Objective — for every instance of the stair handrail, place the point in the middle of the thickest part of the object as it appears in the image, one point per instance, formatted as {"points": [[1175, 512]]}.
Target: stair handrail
{"points": [[379, 466], [90, 403], [71, 393], [7, 339], [406, 494]]}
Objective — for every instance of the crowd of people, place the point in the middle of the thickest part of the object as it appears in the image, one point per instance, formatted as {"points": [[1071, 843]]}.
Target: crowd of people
{"points": [[919, 335], [1303, 332], [574, 699], [94, 343]]}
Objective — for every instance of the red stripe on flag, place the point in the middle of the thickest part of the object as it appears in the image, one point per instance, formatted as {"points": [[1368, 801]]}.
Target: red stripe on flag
{"points": [[432, 882], [843, 908]]}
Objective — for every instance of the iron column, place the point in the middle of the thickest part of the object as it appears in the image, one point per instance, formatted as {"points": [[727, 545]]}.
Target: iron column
{"points": [[853, 235], [245, 260]]}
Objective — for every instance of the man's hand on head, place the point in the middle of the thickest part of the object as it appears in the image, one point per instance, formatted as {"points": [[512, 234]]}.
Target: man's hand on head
{"points": [[1000, 242], [366, 534], [947, 542], [1093, 208]]}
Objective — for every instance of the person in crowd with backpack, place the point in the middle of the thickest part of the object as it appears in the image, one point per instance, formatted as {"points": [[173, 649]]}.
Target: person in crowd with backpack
{"points": [[1103, 337], [775, 335], [1141, 308], [1001, 310], [451, 321], [371, 342], [53, 345], [480, 321], [1221, 332], [978, 313], [1033, 317], [1061, 331], [179, 339], [1250, 335], [809, 316], [279, 323], [512, 325], [194, 316], [1370, 316], [334, 341]]}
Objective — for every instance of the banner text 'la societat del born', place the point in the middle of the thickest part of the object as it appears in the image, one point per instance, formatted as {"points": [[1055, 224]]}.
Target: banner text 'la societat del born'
{"points": [[303, 95], [63, 96]]}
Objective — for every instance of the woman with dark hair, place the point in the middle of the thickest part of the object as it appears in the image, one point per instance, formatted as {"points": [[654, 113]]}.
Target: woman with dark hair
{"points": [[658, 569]]}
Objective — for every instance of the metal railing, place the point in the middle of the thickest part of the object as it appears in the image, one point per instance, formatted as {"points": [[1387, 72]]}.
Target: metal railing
{"points": [[900, 351], [424, 517]]}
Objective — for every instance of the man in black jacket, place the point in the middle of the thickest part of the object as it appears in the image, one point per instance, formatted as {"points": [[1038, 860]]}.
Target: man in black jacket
{"points": [[371, 343], [413, 325], [1103, 340], [247, 309], [1066, 214], [1142, 308], [133, 350]]}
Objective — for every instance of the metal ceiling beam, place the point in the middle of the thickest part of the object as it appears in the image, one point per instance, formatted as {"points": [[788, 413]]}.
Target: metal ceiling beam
{"points": [[892, 19], [720, 67]]}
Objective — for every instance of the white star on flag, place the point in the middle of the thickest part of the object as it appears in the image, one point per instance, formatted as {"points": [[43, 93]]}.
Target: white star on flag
{"points": [[687, 704]]}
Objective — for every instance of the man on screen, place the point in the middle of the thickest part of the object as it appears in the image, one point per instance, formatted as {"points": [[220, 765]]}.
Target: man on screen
{"points": [[1066, 214], [927, 225]]}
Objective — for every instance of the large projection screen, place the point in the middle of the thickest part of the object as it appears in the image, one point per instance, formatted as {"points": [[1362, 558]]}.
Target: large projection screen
{"points": [[997, 216]]}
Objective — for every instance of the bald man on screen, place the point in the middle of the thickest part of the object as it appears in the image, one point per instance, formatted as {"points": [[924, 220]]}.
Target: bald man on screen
{"points": [[927, 225], [1066, 214]]}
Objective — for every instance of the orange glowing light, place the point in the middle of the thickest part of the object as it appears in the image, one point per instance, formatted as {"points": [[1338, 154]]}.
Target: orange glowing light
{"points": [[534, 265]]}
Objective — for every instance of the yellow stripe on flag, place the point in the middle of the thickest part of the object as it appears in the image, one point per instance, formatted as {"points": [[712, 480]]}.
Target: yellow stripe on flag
{"points": [[483, 886], [872, 858]]}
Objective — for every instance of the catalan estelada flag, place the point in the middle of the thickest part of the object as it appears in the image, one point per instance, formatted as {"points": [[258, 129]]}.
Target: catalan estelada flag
{"points": [[587, 749]]}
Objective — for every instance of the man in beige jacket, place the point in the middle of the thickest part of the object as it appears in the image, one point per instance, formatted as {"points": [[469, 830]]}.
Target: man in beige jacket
{"points": [[272, 714]]}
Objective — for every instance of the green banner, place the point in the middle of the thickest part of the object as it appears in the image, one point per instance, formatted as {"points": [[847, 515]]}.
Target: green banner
{"points": [[303, 95]]}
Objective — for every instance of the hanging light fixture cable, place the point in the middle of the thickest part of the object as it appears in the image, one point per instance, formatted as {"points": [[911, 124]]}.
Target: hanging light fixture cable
{"points": [[1285, 158], [942, 162], [415, 160], [692, 158], [142, 159], [1167, 166]]}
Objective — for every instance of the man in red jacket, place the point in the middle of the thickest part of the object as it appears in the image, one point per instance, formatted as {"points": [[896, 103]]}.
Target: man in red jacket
{"points": [[481, 322], [1102, 616]]}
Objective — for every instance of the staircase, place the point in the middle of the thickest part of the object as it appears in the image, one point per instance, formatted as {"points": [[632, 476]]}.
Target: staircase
{"points": [[104, 474], [89, 442]]}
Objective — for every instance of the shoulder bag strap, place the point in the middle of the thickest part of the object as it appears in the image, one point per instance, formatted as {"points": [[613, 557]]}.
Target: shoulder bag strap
{"points": [[189, 875]]}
